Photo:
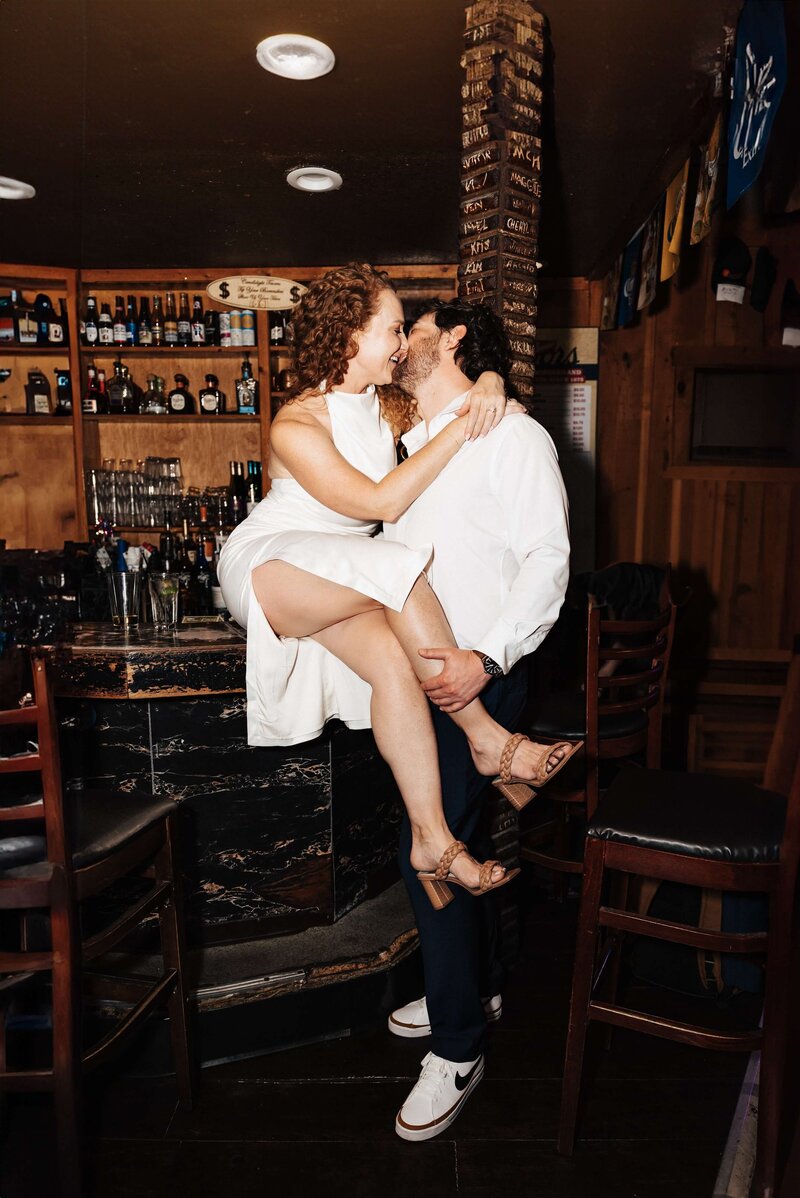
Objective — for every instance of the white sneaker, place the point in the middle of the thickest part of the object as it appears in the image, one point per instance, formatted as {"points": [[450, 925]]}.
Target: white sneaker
{"points": [[412, 1019], [433, 1104]]}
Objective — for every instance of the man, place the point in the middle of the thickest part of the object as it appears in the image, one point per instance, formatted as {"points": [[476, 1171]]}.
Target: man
{"points": [[497, 519]]}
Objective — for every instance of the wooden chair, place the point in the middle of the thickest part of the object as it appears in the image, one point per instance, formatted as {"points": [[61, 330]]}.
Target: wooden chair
{"points": [[719, 833], [107, 837], [618, 715]]}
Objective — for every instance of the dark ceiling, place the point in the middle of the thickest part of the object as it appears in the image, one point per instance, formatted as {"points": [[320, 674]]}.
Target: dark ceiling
{"points": [[153, 137]]}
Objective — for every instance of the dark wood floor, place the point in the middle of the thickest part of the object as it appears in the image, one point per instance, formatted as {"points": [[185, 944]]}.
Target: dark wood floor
{"points": [[320, 1120]]}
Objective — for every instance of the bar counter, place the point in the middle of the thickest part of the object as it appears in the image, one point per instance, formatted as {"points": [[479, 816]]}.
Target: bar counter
{"points": [[276, 839]]}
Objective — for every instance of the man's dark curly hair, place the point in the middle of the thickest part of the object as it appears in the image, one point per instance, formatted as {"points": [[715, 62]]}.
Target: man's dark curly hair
{"points": [[484, 346]]}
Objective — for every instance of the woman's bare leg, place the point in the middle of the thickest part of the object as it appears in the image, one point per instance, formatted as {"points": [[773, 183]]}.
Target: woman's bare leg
{"points": [[354, 629], [423, 624]]}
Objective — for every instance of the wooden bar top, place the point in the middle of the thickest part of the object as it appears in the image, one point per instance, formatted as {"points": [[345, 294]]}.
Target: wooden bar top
{"points": [[95, 661]]}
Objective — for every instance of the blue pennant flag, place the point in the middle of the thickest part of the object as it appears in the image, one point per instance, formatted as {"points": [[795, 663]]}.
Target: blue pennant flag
{"points": [[759, 78]]}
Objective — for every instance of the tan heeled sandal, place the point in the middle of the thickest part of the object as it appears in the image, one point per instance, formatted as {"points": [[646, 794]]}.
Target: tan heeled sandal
{"points": [[437, 883], [520, 791]]}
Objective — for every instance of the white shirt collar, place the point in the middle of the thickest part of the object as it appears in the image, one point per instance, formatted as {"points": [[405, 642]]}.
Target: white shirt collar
{"points": [[421, 433]]}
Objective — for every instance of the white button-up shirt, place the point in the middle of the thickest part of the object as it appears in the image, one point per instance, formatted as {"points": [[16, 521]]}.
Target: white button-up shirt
{"points": [[497, 519]]}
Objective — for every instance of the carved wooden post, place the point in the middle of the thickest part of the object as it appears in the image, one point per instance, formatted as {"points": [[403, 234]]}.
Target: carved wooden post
{"points": [[501, 170]]}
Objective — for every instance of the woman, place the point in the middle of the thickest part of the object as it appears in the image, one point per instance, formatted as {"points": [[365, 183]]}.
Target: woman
{"points": [[334, 616]]}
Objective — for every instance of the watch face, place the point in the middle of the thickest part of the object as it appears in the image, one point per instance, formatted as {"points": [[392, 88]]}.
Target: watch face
{"points": [[491, 667]]}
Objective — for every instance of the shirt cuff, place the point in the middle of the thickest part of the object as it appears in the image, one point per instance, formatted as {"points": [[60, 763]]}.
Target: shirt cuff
{"points": [[495, 645]]}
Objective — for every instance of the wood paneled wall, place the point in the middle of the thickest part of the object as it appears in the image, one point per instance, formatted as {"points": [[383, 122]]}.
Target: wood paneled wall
{"points": [[732, 533]]}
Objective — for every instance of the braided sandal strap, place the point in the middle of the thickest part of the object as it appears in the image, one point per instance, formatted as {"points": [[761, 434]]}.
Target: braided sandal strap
{"points": [[485, 877], [510, 748], [448, 857]]}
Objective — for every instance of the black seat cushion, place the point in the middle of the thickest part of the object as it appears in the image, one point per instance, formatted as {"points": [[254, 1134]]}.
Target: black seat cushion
{"points": [[564, 714], [21, 850], [102, 821], [699, 815]]}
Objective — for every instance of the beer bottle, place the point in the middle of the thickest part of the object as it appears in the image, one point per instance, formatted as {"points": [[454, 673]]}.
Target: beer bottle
{"points": [[198, 326], [120, 332], [105, 326], [184, 321], [145, 327], [157, 323], [90, 322], [170, 321]]}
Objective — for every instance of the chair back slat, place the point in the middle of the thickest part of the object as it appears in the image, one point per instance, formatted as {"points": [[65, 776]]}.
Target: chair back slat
{"points": [[785, 746], [20, 715], [47, 763]]}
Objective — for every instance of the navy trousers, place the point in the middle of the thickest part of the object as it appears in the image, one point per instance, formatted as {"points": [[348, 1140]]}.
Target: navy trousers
{"points": [[459, 943]]}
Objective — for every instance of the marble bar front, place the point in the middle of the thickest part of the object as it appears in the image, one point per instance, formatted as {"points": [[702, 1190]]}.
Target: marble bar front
{"points": [[275, 840]]}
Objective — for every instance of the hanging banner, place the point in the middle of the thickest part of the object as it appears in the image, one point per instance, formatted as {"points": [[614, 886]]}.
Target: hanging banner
{"points": [[610, 305], [650, 256], [267, 292], [673, 223], [706, 199], [759, 78], [629, 287]]}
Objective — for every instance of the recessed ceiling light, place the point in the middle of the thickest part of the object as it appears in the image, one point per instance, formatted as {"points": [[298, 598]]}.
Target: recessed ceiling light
{"points": [[295, 56], [314, 178], [15, 189]]}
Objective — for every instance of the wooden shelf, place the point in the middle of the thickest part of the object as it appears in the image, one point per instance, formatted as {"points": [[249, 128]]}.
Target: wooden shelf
{"points": [[226, 417], [45, 421], [46, 351], [147, 351]]}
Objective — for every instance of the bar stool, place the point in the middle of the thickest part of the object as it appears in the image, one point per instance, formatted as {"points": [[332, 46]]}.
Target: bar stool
{"points": [[107, 837], [618, 715], [713, 832]]}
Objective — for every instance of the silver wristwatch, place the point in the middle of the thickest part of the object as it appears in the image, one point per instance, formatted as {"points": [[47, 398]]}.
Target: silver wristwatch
{"points": [[490, 666]]}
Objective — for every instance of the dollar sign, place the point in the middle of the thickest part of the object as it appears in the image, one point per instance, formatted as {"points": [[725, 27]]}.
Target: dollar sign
{"points": [[294, 294], [224, 290]]}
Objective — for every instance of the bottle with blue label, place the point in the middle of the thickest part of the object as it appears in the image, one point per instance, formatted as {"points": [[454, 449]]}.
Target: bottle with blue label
{"points": [[247, 390]]}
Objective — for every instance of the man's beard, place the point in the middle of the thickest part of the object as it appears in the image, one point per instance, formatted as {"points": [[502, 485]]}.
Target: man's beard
{"points": [[418, 364]]}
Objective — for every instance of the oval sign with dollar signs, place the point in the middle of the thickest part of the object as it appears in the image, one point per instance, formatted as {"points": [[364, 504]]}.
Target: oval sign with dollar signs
{"points": [[269, 292]]}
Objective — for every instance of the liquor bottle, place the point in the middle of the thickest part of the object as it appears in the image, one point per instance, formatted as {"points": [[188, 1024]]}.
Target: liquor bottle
{"points": [[38, 397], [168, 546], [254, 492], [51, 331], [237, 498], [212, 400], [121, 393], [170, 321], [198, 326], [157, 323], [63, 320], [90, 329], [105, 326], [277, 329], [188, 549], [131, 322], [184, 321], [120, 331], [26, 322], [7, 305], [102, 394], [211, 323], [247, 390], [63, 392], [145, 327], [180, 402], [154, 401], [89, 403]]}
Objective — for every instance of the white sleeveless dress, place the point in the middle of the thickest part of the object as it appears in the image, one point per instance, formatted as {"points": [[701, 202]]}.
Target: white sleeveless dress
{"points": [[295, 685]]}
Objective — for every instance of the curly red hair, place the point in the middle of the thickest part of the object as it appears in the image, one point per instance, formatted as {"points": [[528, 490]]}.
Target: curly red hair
{"points": [[323, 328]]}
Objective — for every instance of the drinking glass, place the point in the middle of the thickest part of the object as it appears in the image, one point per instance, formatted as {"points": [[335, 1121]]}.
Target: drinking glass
{"points": [[124, 592], [164, 590]]}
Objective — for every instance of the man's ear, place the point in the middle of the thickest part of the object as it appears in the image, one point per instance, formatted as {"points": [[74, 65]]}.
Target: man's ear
{"points": [[455, 336]]}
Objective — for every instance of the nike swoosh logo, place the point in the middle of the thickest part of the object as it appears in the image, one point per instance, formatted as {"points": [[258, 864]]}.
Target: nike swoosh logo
{"points": [[463, 1082]]}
